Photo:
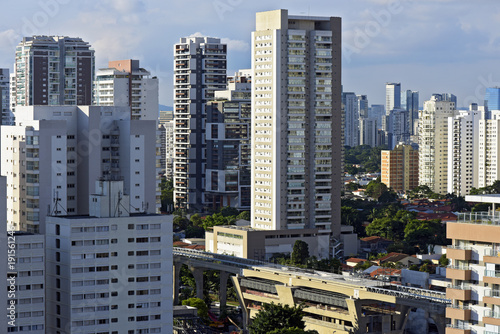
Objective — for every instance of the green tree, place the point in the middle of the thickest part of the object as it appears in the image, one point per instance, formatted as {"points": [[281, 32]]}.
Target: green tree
{"points": [[375, 189], [196, 220], [217, 219], [195, 232], [167, 193], [352, 186], [229, 211], [200, 305], [245, 215], [443, 261], [273, 316], [351, 217], [300, 252], [180, 223]]}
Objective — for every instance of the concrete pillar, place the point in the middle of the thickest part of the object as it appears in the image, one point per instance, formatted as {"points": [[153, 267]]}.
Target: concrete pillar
{"points": [[177, 278], [402, 317], [440, 321], [354, 308], [224, 275], [198, 278]]}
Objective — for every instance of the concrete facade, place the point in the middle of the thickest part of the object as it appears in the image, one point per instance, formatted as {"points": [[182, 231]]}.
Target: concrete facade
{"points": [[399, 168], [433, 144], [228, 145], [199, 69], [110, 271], [54, 154], [53, 70], [125, 83], [296, 127]]}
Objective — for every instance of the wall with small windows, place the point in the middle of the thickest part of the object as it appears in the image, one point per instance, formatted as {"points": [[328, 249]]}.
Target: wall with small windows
{"points": [[110, 274]]}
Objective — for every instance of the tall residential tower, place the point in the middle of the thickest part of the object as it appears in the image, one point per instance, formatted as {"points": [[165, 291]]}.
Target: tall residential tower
{"points": [[296, 122], [53, 70], [199, 70]]}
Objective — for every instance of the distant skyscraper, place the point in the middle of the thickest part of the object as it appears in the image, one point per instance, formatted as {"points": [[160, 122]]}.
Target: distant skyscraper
{"points": [[492, 98], [446, 97], [433, 144], [166, 120], [199, 70], [463, 162], [409, 102], [125, 83], [392, 96], [363, 106], [488, 152], [296, 123], [368, 133], [53, 70], [377, 111], [5, 96], [351, 119]]}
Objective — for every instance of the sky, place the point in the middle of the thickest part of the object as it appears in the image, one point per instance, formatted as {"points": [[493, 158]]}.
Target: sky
{"points": [[432, 46]]}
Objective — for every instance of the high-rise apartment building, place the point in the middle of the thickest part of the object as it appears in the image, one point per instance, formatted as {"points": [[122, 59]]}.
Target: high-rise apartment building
{"points": [[377, 111], [5, 96], [228, 145], [392, 96], [463, 153], [474, 267], [492, 98], [296, 122], [53, 70], [109, 271], [199, 70], [409, 102], [488, 168], [351, 119], [446, 97], [54, 154], [368, 133], [433, 144], [363, 106], [125, 83], [399, 168], [166, 120]]}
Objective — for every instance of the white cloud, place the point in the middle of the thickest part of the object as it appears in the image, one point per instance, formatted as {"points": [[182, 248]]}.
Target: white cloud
{"points": [[236, 45]]}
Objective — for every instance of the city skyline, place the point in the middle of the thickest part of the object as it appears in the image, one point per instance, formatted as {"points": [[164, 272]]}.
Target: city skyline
{"points": [[420, 44]]}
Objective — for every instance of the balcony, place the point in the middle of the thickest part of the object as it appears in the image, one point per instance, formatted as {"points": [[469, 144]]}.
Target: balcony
{"points": [[492, 256], [451, 329], [458, 313], [491, 318], [459, 253], [458, 293], [491, 276], [462, 273], [492, 297]]}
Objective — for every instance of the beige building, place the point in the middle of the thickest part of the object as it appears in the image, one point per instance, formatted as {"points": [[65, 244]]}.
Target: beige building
{"points": [[250, 243], [433, 144], [399, 168], [296, 127], [474, 270]]}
